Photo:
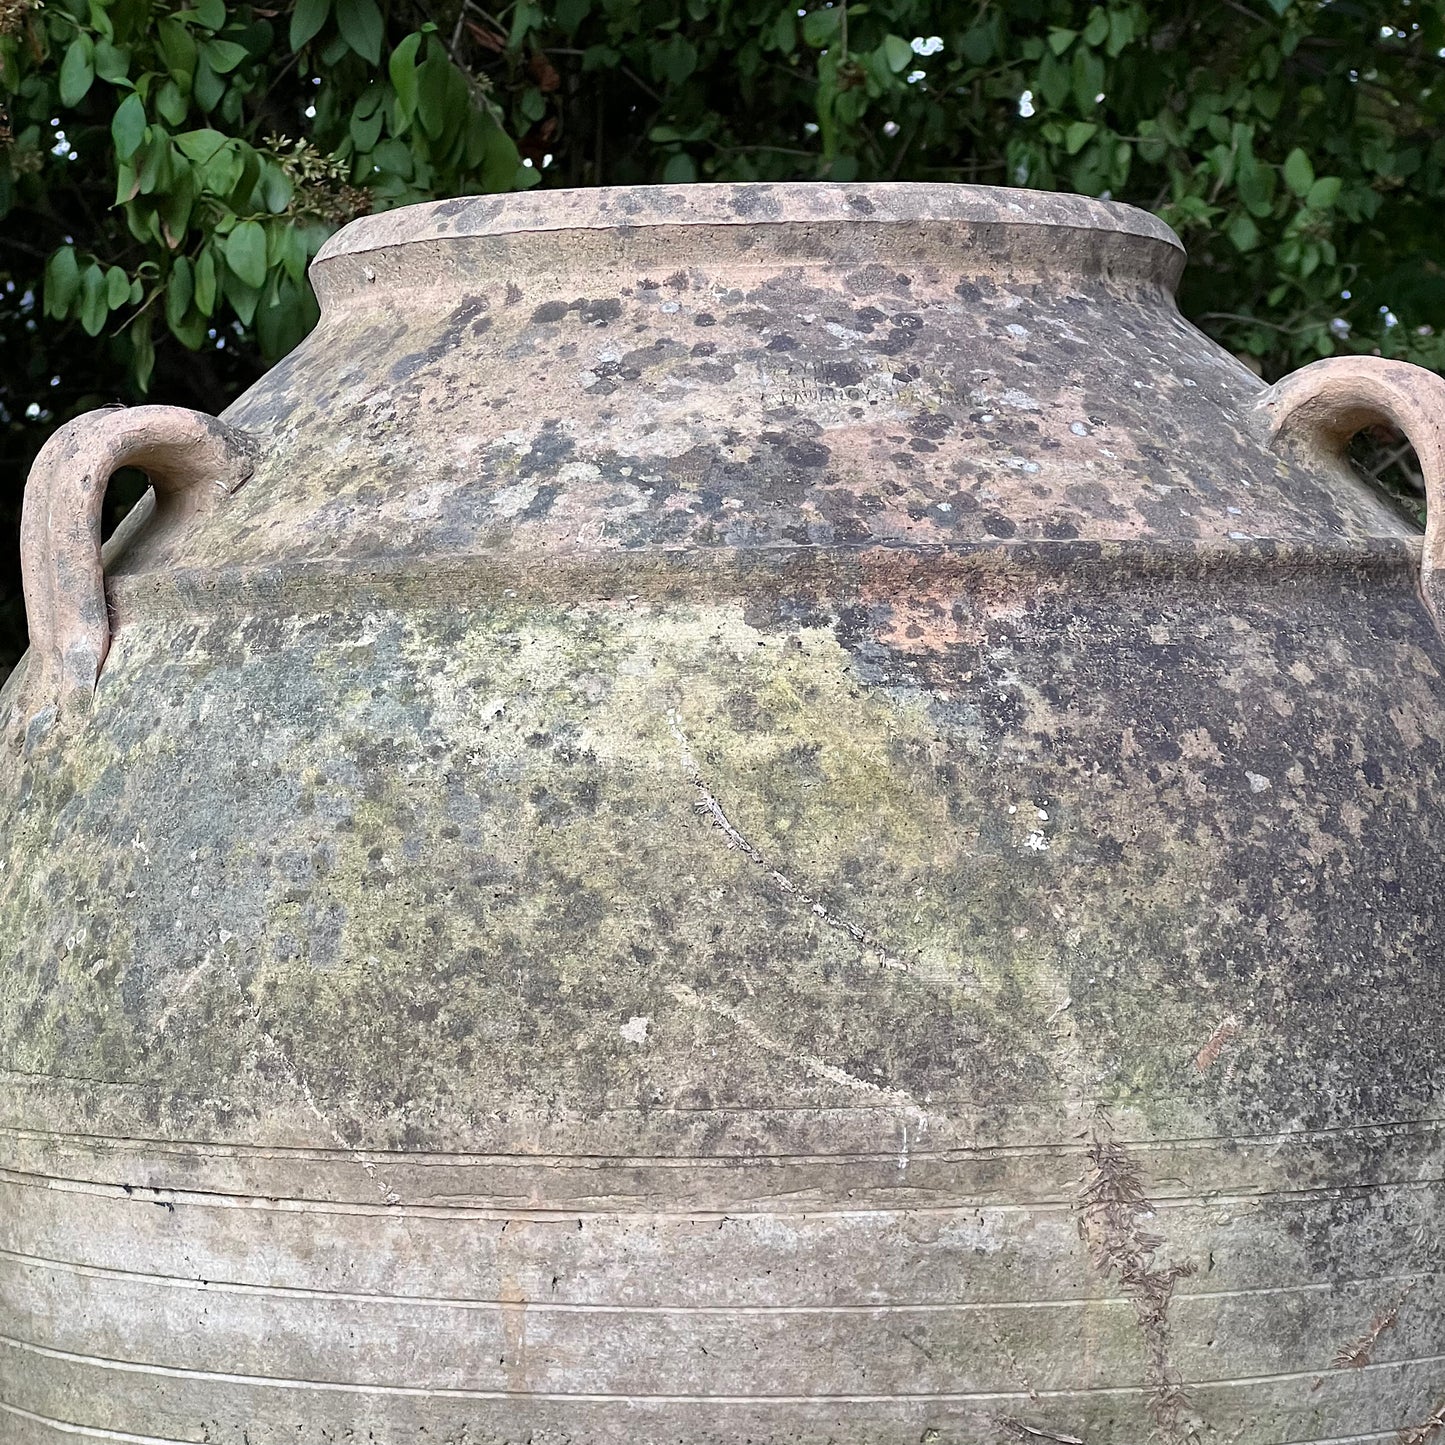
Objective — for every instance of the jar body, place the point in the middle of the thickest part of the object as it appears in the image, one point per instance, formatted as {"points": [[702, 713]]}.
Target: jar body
{"points": [[741, 926]]}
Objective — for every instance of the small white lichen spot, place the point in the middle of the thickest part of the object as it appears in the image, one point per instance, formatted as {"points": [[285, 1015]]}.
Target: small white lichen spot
{"points": [[1258, 783], [634, 1031], [1037, 842], [1078, 429], [1014, 329]]}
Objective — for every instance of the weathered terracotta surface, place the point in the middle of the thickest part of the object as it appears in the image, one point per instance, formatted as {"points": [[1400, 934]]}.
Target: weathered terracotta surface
{"points": [[777, 815]]}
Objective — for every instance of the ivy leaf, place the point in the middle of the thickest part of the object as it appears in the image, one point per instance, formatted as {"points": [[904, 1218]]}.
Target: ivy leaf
{"points": [[306, 21], [1299, 174], [77, 71], [246, 253], [361, 27], [128, 126], [1324, 193], [1078, 135]]}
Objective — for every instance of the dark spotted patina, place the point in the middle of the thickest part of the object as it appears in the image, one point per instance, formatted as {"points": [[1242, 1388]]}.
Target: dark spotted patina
{"points": [[774, 818]]}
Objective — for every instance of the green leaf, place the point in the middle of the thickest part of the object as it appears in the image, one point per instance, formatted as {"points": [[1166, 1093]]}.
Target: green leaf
{"points": [[246, 253], [128, 126], [532, 105], [361, 27], [1121, 31], [93, 308], [62, 281], [171, 103], [680, 170], [1060, 39], [431, 95], [306, 21], [211, 13], [820, 26], [180, 290], [675, 59], [1243, 232], [205, 282], [224, 55], [1088, 79], [525, 18], [111, 63], [978, 44], [242, 296], [1078, 135], [897, 53], [77, 71], [401, 67], [276, 188], [569, 14], [177, 201], [1324, 193], [117, 288], [1097, 28], [178, 48], [209, 87], [201, 146], [292, 252], [1299, 174]]}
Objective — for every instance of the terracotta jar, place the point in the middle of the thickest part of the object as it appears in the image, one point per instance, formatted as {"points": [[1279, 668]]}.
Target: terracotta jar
{"points": [[731, 814]]}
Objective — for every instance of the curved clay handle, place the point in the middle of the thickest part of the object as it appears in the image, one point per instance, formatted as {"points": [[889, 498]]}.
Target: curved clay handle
{"points": [[184, 453], [1327, 402]]}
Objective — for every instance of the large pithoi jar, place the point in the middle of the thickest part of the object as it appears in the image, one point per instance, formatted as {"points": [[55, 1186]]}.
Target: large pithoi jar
{"points": [[731, 814]]}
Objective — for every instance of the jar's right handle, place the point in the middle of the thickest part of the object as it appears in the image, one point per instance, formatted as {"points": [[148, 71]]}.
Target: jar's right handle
{"points": [[1326, 403]]}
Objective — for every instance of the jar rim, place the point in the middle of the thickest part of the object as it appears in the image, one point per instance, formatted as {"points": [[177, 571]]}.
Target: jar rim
{"points": [[748, 204]]}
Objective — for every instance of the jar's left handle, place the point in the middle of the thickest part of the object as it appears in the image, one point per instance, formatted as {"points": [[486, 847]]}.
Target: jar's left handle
{"points": [[188, 456], [1325, 403]]}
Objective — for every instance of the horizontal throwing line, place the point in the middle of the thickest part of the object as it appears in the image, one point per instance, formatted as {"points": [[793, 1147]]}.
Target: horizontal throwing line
{"points": [[148, 1195], [279, 1291], [276, 1382], [984, 1153], [89, 1432]]}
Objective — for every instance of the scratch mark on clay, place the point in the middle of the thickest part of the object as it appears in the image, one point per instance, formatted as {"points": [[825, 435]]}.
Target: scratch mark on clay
{"points": [[182, 989], [1217, 1042], [708, 805], [811, 1063], [1425, 1432], [1021, 1431], [1359, 1351], [1113, 1206]]}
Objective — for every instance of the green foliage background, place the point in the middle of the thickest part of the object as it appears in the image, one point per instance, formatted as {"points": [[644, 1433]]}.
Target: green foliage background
{"points": [[168, 169]]}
